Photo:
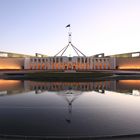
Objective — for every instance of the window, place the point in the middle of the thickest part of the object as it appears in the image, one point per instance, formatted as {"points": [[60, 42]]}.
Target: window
{"points": [[78, 59], [57, 59], [70, 58]]}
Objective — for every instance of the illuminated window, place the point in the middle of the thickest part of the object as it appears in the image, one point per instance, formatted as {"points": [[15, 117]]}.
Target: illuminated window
{"points": [[104, 66], [96, 67], [74, 67], [39, 66], [31, 67], [100, 66], [93, 66], [65, 67], [43, 66], [34, 66]]}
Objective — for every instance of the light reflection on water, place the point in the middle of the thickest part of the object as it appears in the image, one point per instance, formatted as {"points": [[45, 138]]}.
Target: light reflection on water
{"points": [[69, 108]]}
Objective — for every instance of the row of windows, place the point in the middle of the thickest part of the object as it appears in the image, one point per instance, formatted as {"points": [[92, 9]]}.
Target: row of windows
{"points": [[63, 87], [70, 59], [70, 67], [72, 64], [78, 65]]}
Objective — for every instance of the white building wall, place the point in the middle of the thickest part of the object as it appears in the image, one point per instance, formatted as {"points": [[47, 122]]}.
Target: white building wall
{"points": [[27, 63]]}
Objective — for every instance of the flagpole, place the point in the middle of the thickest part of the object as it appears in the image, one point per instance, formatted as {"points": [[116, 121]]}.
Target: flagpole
{"points": [[69, 29], [69, 33], [70, 44]]}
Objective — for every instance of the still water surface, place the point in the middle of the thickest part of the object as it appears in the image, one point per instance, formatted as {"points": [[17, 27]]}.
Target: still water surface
{"points": [[98, 108]]}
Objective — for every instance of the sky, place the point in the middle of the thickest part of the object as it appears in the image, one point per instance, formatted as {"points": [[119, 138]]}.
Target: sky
{"points": [[97, 26]]}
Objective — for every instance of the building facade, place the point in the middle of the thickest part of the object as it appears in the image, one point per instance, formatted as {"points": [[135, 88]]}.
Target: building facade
{"points": [[75, 63], [70, 63]]}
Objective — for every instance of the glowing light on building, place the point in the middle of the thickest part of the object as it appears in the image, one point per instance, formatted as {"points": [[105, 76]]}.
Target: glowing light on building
{"points": [[129, 67], [16, 67]]}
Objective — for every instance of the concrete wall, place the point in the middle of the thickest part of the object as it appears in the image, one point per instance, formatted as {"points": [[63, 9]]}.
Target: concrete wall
{"points": [[11, 63], [128, 63]]}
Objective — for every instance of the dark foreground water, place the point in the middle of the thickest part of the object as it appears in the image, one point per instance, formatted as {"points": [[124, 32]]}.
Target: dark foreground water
{"points": [[71, 109]]}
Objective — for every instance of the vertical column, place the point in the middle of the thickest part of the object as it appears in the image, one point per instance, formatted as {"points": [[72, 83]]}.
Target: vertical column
{"points": [[107, 64], [27, 63], [114, 66], [49, 63], [90, 63], [36, 63], [94, 63], [102, 63], [45, 63]]}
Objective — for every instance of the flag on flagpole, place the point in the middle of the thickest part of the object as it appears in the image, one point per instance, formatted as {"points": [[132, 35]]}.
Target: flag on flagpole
{"points": [[68, 25]]}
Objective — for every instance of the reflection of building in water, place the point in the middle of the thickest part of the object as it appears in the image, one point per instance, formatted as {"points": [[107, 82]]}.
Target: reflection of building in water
{"points": [[136, 92], [11, 87], [128, 86], [122, 86], [69, 96], [131, 84], [79, 86]]}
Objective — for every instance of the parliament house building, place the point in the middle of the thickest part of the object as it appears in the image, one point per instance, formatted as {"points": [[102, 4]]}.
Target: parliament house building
{"points": [[60, 62]]}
